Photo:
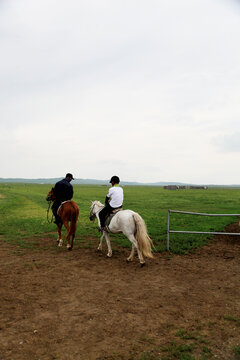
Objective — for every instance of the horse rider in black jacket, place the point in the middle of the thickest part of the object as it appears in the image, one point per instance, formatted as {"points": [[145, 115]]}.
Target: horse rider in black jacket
{"points": [[62, 191]]}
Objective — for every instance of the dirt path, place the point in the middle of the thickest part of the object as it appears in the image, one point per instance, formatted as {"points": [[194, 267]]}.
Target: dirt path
{"points": [[82, 305]]}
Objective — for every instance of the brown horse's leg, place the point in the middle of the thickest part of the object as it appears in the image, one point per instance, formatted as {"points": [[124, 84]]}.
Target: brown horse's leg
{"points": [[73, 236], [69, 247], [59, 240], [73, 227]]}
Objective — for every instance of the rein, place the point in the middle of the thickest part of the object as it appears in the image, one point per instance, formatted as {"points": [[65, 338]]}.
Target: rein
{"points": [[91, 213], [94, 215], [51, 220]]}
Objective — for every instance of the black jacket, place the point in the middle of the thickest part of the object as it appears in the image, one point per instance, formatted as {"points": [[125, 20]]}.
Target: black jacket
{"points": [[63, 190]]}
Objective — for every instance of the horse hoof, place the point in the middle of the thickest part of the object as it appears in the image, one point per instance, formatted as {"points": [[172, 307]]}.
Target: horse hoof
{"points": [[143, 264]]}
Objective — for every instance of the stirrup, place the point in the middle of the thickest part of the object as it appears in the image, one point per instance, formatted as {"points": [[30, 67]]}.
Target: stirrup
{"points": [[104, 228]]}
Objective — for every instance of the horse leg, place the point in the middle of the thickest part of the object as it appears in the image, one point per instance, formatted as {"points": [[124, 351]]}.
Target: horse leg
{"points": [[59, 240], [100, 243], [69, 247], [109, 254], [72, 231], [73, 236], [135, 245], [130, 258]]}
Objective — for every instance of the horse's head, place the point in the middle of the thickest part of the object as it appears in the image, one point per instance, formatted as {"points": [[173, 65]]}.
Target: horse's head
{"points": [[50, 195], [92, 212], [95, 207]]}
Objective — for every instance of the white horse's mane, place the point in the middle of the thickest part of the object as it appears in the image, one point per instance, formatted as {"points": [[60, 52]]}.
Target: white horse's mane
{"points": [[98, 203]]}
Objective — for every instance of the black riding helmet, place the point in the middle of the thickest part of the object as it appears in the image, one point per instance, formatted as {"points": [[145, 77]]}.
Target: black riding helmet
{"points": [[115, 179]]}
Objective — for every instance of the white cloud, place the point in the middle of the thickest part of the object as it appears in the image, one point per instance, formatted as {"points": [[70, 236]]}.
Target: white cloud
{"points": [[228, 143]]}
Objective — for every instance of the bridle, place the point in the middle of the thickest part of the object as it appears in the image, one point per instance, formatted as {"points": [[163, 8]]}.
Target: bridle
{"points": [[50, 199], [49, 204], [92, 216]]}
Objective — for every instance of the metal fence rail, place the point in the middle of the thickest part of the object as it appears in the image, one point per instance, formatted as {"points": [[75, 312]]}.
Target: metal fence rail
{"points": [[195, 232]]}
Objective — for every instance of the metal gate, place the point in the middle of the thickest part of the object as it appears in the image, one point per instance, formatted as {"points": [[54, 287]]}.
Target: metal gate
{"points": [[195, 232]]}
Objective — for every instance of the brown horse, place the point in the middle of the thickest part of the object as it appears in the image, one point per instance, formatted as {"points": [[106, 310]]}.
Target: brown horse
{"points": [[68, 212]]}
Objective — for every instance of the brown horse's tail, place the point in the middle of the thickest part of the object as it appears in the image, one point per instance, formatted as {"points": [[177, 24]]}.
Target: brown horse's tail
{"points": [[74, 218]]}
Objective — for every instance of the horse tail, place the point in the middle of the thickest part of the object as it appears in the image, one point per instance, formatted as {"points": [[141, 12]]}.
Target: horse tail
{"points": [[144, 241], [74, 218]]}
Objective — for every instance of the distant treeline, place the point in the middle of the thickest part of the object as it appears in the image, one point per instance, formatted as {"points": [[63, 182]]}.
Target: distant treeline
{"points": [[166, 185]]}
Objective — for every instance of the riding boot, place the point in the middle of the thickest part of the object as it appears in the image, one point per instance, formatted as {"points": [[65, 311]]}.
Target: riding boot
{"points": [[104, 228], [57, 220]]}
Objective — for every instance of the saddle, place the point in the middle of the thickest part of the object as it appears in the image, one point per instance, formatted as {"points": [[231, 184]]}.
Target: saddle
{"points": [[62, 204], [110, 216]]}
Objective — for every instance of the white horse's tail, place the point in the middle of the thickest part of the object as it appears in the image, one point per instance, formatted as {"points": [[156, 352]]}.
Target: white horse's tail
{"points": [[144, 242]]}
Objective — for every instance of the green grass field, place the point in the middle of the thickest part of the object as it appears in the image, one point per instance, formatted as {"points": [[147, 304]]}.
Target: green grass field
{"points": [[23, 213]]}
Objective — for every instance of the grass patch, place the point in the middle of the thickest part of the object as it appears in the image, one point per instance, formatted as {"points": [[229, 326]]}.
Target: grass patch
{"points": [[23, 213], [178, 351], [183, 334], [233, 319], [236, 351], [185, 344]]}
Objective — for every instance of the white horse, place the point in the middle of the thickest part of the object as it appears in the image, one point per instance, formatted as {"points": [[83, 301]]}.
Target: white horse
{"points": [[132, 225]]}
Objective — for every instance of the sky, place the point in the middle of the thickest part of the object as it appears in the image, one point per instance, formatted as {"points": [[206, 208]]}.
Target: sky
{"points": [[147, 90]]}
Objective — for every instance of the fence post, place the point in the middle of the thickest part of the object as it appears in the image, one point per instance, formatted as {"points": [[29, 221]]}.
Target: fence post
{"points": [[168, 228]]}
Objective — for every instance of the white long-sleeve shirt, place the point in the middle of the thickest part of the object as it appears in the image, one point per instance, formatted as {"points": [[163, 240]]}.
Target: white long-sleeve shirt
{"points": [[115, 194]]}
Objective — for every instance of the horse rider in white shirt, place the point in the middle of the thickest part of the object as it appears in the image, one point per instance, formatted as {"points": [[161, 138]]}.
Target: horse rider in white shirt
{"points": [[114, 200]]}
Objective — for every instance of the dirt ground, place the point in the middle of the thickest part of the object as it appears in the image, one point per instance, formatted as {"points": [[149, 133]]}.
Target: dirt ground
{"points": [[82, 305]]}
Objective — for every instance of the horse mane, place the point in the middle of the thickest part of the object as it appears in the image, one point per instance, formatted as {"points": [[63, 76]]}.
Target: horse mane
{"points": [[98, 203]]}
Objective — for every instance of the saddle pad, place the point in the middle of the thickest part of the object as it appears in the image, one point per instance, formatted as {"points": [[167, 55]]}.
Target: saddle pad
{"points": [[62, 204], [109, 218], [116, 210]]}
